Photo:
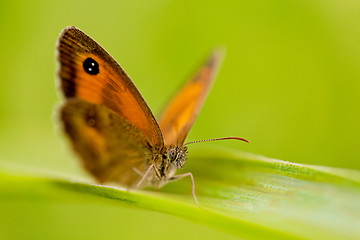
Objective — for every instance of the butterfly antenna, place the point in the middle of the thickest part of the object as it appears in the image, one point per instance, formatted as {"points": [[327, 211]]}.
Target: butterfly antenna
{"points": [[217, 139]]}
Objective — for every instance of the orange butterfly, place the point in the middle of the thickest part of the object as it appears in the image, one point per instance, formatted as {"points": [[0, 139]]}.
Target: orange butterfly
{"points": [[109, 123]]}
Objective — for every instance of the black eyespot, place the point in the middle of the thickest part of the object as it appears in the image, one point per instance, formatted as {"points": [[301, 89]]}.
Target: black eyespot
{"points": [[91, 66]]}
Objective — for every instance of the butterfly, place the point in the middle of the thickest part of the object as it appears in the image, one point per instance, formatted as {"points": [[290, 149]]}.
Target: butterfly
{"points": [[111, 127]]}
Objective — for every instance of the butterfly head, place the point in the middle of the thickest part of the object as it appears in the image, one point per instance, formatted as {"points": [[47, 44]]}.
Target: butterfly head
{"points": [[177, 156]]}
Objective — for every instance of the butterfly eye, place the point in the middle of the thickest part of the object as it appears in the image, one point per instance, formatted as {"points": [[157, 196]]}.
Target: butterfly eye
{"points": [[172, 154], [91, 66]]}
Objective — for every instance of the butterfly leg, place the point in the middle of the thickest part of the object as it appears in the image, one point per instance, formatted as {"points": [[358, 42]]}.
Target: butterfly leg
{"points": [[143, 175], [176, 177], [138, 171]]}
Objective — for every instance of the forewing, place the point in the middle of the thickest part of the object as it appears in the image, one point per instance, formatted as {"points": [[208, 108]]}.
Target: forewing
{"points": [[110, 87], [180, 114], [111, 148]]}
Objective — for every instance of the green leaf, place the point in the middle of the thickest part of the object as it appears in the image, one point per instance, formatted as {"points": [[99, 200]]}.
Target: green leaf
{"points": [[243, 194]]}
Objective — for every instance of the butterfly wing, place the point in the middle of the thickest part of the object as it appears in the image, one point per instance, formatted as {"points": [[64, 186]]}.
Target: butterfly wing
{"points": [[112, 149], [180, 114], [109, 86], [107, 120]]}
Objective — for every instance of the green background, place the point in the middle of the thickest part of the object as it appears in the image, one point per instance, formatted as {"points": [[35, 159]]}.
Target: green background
{"points": [[289, 83]]}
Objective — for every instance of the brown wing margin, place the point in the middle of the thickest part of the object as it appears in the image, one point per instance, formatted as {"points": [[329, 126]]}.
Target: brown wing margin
{"points": [[111, 87], [180, 114]]}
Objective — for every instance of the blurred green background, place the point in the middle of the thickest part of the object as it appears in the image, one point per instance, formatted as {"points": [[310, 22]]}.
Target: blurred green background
{"points": [[289, 83]]}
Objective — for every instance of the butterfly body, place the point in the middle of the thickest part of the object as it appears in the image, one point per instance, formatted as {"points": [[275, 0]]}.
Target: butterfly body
{"points": [[109, 124], [174, 159]]}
